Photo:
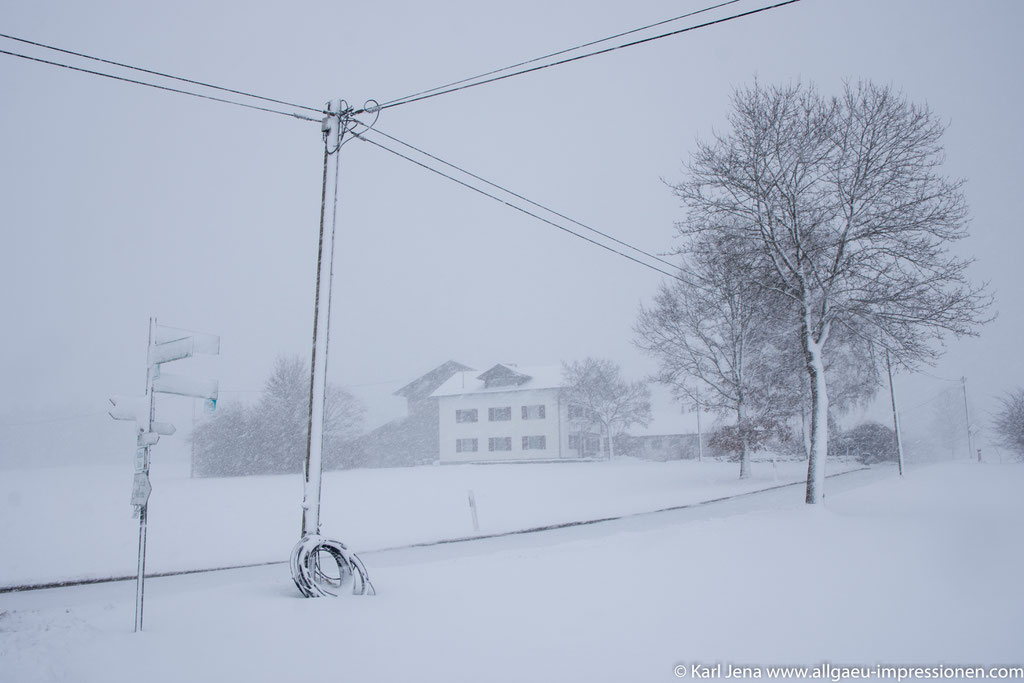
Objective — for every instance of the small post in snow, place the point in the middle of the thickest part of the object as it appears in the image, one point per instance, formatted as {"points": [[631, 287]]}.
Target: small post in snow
{"points": [[472, 511]]}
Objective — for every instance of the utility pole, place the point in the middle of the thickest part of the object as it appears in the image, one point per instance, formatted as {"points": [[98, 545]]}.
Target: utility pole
{"points": [[306, 556], [895, 415], [967, 417], [700, 438], [332, 130]]}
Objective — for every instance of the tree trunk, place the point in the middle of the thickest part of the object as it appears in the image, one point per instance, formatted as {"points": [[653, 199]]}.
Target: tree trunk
{"points": [[611, 443], [819, 420]]}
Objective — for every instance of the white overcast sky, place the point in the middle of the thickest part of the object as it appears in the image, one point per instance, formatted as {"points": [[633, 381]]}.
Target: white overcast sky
{"points": [[120, 202]]}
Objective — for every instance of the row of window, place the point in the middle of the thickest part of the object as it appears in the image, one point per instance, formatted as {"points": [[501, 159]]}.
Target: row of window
{"points": [[590, 443], [501, 443], [535, 412]]}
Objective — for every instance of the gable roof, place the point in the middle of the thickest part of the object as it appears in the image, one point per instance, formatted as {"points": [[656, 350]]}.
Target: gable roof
{"points": [[503, 376], [534, 377], [422, 387]]}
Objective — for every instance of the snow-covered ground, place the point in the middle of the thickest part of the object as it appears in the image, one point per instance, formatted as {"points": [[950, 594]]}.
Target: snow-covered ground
{"points": [[924, 570], [198, 523]]}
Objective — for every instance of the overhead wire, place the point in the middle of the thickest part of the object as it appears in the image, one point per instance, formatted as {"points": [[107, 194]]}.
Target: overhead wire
{"points": [[133, 81], [445, 91], [159, 73], [525, 199], [565, 51], [485, 193]]}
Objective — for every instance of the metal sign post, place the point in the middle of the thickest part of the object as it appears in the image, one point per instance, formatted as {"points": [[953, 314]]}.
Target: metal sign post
{"points": [[165, 345]]}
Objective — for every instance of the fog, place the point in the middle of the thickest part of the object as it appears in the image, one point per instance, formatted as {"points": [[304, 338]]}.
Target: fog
{"points": [[121, 202]]}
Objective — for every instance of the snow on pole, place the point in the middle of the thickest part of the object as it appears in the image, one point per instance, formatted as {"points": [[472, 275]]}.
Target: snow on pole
{"points": [[321, 322], [312, 549]]}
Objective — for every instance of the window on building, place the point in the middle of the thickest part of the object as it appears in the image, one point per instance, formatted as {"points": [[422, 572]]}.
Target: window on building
{"points": [[534, 443], [656, 444], [499, 414], [533, 412], [580, 413], [465, 445], [465, 415], [501, 443], [590, 443]]}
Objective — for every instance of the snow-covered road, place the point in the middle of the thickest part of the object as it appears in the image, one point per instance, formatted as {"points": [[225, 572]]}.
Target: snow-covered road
{"points": [[924, 569]]}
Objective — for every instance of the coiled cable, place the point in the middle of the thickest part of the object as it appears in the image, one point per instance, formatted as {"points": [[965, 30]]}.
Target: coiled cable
{"points": [[310, 564]]}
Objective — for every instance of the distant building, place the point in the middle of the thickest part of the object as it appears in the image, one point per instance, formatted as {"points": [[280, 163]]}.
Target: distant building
{"points": [[508, 414], [668, 436], [410, 440]]}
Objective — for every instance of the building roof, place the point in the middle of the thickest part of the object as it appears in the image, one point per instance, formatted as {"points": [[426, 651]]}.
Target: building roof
{"points": [[518, 378], [422, 387]]}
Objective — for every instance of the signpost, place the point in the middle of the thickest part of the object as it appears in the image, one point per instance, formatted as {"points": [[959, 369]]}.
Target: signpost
{"points": [[166, 344]]}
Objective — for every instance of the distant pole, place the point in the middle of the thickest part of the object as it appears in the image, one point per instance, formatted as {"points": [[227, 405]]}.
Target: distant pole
{"points": [[895, 415], [967, 417], [700, 438], [332, 129]]}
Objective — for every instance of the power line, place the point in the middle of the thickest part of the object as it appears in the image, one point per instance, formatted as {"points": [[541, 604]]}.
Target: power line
{"points": [[562, 52], [396, 103], [159, 73], [159, 87], [525, 199], [360, 136]]}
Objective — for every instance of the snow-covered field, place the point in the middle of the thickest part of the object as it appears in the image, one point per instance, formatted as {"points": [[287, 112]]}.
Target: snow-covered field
{"points": [[199, 523], [924, 570]]}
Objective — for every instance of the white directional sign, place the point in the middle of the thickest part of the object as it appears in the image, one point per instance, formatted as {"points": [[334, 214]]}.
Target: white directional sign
{"points": [[163, 428], [182, 347], [201, 341], [186, 386]]}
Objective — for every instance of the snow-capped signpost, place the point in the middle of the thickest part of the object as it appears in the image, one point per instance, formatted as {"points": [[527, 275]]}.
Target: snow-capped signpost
{"points": [[312, 548], [166, 344]]}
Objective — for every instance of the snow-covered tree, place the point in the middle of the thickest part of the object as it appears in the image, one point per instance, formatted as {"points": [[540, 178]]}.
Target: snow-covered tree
{"points": [[717, 338], [596, 386], [847, 216], [270, 437], [869, 442], [1008, 423]]}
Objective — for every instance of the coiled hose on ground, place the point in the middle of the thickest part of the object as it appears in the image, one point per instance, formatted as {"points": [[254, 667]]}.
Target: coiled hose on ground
{"points": [[311, 560]]}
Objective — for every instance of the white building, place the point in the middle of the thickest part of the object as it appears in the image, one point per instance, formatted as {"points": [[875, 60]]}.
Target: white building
{"points": [[510, 413]]}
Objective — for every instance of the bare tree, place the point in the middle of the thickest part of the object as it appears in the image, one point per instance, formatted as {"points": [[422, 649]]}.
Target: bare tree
{"points": [[847, 217], [1009, 422], [270, 437], [715, 336], [596, 386]]}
